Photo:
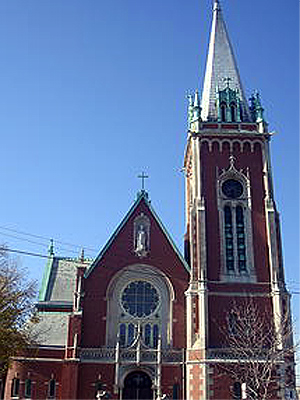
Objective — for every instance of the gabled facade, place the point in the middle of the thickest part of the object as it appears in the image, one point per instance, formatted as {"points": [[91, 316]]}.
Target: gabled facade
{"points": [[114, 326]]}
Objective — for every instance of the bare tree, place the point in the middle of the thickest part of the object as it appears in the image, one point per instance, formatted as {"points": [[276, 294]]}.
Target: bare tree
{"points": [[17, 295], [257, 351]]}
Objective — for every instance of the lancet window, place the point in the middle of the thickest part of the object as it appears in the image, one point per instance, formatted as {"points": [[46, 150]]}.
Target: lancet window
{"points": [[28, 387], [15, 388], [223, 112], [149, 332], [237, 391], [51, 388], [233, 112], [235, 243], [228, 105], [234, 204]]}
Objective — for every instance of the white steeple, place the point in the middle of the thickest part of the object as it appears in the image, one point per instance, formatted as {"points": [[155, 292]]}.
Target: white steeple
{"points": [[221, 67]]}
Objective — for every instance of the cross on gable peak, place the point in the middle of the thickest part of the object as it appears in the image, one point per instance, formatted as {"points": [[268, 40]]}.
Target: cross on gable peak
{"points": [[143, 176]]}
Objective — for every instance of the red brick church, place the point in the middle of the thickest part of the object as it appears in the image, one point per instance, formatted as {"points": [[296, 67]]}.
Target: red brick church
{"points": [[142, 321]]}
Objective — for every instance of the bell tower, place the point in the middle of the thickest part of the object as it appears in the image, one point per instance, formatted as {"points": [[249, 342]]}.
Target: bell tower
{"points": [[232, 241]]}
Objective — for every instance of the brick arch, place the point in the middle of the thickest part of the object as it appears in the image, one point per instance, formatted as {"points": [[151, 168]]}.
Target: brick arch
{"points": [[206, 145], [225, 145], [257, 146], [216, 145], [247, 146], [237, 146]]}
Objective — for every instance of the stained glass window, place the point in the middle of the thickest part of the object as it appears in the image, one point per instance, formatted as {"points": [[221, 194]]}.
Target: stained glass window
{"points": [[240, 233], [131, 334], [155, 335], [140, 299], [232, 189], [228, 239], [148, 335]]}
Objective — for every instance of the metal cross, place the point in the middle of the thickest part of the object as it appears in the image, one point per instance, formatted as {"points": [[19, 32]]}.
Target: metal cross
{"points": [[143, 176]]}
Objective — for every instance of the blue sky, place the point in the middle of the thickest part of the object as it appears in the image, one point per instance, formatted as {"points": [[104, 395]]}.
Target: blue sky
{"points": [[93, 92]]}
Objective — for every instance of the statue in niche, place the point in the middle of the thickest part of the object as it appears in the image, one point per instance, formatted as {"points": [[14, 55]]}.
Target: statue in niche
{"points": [[141, 240]]}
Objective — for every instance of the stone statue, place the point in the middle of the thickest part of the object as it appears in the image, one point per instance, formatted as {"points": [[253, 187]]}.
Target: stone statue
{"points": [[141, 240]]}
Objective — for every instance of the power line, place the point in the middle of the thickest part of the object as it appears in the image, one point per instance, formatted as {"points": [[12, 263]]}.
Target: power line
{"points": [[35, 242], [28, 253], [24, 239], [47, 239], [290, 282]]}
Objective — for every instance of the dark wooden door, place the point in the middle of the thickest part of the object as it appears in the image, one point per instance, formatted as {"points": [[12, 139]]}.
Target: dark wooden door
{"points": [[137, 386]]}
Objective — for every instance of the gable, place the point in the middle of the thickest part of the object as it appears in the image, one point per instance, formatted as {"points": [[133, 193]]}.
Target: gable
{"points": [[140, 227], [140, 261]]}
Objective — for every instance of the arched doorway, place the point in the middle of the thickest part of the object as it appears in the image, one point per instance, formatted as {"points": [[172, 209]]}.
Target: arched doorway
{"points": [[137, 385]]}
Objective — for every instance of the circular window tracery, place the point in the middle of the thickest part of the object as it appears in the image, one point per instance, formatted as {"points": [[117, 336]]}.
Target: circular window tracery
{"points": [[140, 299], [232, 188]]}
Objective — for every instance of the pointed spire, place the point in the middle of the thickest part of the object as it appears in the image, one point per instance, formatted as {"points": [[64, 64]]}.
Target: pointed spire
{"points": [[220, 65], [216, 5]]}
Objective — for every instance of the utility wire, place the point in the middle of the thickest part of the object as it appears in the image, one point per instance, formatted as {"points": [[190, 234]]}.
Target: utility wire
{"points": [[24, 239], [47, 239], [35, 242], [28, 253], [289, 281]]}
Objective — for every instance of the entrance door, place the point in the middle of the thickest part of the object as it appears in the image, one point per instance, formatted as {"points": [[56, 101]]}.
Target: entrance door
{"points": [[137, 385]]}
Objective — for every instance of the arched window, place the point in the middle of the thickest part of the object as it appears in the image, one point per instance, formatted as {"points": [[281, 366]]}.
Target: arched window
{"points": [[175, 391], [155, 335], [27, 391], [223, 112], [236, 245], [233, 112], [131, 334], [228, 238], [139, 301], [51, 388], [237, 391], [127, 334], [148, 335], [241, 243], [15, 388]]}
